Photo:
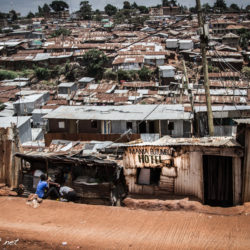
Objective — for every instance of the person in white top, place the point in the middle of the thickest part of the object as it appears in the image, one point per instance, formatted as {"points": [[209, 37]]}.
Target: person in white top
{"points": [[67, 193]]}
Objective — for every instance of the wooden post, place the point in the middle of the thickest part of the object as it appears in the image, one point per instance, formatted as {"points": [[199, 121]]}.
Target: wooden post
{"points": [[160, 128], [47, 168], [203, 43]]}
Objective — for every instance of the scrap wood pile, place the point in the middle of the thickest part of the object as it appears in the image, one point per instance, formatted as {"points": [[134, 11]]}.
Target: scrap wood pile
{"points": [[6, 191]]}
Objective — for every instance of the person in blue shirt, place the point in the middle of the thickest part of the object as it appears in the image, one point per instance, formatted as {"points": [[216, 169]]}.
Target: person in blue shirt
{"points": [[44, 185]]}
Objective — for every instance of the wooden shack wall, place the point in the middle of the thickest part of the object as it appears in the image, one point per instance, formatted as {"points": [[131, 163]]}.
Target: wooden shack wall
{"points": [[187, 164], [186, 180], [9, 165], [246, 167]]}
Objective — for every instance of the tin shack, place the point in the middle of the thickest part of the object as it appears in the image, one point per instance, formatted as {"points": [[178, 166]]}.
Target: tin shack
{"points": [[205, 169]]}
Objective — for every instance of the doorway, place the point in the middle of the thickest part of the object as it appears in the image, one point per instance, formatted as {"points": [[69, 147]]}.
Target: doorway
{"points": [[218, 180], [142, 128]]}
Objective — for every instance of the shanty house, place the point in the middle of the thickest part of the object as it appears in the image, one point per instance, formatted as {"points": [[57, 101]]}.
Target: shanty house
{"points": [[231, 40], [27, 104], [243, 137], [37, 117], [223, 119], [23, 126], [154, 60], [186, 44], [204, 169], [95, 180], [166, 74], [172, 43], [109, 122], [128, 62], [66, 87], [83, 82]]}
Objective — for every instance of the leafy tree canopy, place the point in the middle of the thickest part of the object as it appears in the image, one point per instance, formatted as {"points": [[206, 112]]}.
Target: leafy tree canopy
{"points": [[220, 4], [234, 7], [126, 5], [13, 15], [30, 15], [94, 60], [168, 3], [59, 6], [110, 9], [46, 8], [86, 10], [61, 31]]}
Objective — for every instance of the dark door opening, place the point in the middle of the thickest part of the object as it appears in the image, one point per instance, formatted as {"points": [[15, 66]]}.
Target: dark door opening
{"points": [[218, 180], [142, 128], [151, 127]]}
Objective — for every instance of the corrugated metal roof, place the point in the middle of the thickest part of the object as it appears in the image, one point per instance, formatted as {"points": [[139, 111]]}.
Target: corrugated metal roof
{"points": [[126, 112], [221, 108], [5, 122], [202, 141], [242, 121]]}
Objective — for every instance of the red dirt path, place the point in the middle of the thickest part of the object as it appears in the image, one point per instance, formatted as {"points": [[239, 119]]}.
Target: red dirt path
{"points": [[100, 227]]}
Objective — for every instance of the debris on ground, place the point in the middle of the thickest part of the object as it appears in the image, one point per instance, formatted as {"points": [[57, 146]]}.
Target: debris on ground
{"points": [[181, 205], [6, 191], [34, 201]]}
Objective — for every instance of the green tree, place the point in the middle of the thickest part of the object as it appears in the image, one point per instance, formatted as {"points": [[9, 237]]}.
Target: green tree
{"points": [[94, 60], [30, 15], [126, 5], [46, 9], [40, 11], [143, 9], [234, 7], [145, 74], [59, 6], [7, 74], [220, 4], [168, 3], [13, 15], [110, 9], [246, 72], [98, 15], [134, 6], [193, 9], [86, 10], [123, 75], [165, 3], [42, 73], [110, 75], [173, 2], [61, 31], [206, 7], [244, 38]]}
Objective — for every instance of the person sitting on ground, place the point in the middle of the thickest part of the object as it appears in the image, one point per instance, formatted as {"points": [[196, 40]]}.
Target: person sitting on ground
{"points": [[67, 193], [44, 185]]}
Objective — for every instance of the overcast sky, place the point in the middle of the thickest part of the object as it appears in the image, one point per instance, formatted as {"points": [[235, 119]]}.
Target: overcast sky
{"points": [[24, 6]]}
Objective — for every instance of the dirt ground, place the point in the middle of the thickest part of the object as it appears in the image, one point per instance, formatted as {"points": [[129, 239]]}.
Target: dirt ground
{"points": [[100, 227]]}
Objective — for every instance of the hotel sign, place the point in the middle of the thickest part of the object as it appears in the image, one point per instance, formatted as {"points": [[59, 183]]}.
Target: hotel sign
{"points": [[149, 156]]}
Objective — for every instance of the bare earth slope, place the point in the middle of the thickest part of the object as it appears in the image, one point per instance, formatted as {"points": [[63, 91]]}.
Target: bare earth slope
{"points": [[100, 227]]}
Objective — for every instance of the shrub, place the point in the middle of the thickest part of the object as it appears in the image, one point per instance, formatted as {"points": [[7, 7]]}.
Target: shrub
{"points": [[61, 31], [110, 75], [7, 74], [123, 75], [42, 73], [94, 60], [145, 74], [246, 72]]}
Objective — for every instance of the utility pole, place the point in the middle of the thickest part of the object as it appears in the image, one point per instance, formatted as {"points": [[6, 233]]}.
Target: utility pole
{"points": [[203, 43], [189, 93]]}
